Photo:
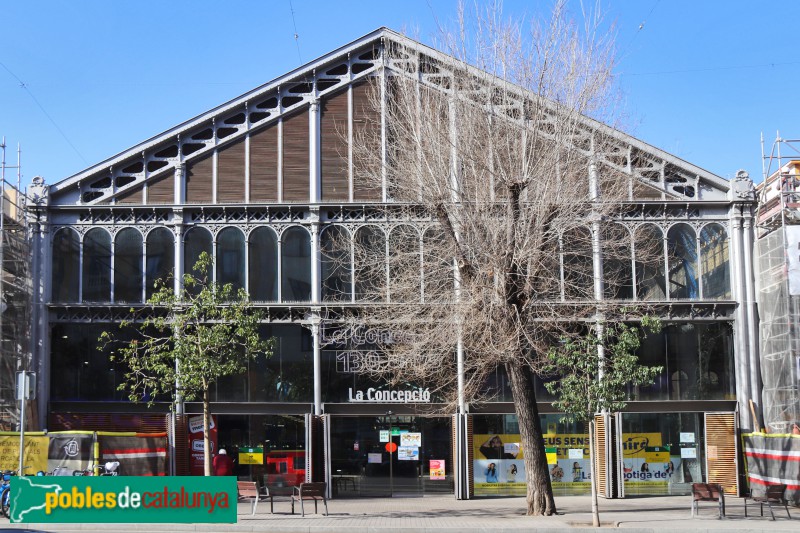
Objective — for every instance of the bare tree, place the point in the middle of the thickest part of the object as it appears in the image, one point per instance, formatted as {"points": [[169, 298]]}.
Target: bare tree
{"points": [[500, 207]]}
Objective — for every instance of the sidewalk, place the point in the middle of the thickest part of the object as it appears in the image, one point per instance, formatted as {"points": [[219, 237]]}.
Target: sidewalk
{"points": [[444, 514]]}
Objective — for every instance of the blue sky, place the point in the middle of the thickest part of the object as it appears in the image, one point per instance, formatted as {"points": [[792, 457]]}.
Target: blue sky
{"points": [[700, 79]]}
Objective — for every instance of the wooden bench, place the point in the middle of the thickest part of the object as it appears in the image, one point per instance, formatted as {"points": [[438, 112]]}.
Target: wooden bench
{"points": [[708, 492], [248, 491], [310, 491], [772, 494]]}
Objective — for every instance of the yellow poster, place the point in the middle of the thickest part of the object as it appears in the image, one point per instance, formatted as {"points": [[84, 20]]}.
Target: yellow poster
{"points": [[251, 456], [35, 457]]}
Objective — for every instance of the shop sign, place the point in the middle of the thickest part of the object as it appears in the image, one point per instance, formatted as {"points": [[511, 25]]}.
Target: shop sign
{"points": [[124, 499], [373, 395], [251, 456]]}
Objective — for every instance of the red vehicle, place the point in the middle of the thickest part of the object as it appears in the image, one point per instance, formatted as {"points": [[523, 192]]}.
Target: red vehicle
{"points": [[286, 468]]}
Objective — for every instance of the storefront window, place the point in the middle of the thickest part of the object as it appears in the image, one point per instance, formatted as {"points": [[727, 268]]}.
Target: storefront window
{"points": [[336, 264], [390, 455], [197, 241], [697, 361], [296, 265], [578, 264], [230, 258], [662, 453], [682, 250], [649, 242], [128, 266], [66, 266], [714, 260], [268, 449], [499, 460], [263, 265], [80, 371], [405, 280], [370, 264], [437, 267], [617, 262], [97, 266], [160, 257]]}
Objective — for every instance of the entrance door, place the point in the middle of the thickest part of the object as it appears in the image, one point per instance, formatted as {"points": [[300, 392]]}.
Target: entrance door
{"points": [[390, 455]]}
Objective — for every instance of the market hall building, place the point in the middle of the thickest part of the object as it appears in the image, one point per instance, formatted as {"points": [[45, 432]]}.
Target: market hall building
{"points": [[262, 183]]}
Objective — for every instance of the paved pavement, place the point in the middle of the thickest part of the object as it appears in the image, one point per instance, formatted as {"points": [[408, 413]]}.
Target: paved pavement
{"points": [[444, 514]]}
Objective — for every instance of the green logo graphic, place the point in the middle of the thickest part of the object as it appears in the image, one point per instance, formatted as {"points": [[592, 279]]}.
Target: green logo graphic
{"points": [[126, 499]]}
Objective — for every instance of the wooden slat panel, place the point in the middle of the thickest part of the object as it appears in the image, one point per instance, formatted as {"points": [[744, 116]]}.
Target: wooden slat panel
{"points": [[333, 147], [366, 121], [264, 165], [198, 181], [295, 158], [600, 454], [230, 173], [161, 190], [721, 451], [133, 196]]}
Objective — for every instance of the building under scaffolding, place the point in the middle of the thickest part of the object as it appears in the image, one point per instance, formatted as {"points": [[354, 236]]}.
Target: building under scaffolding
{"points": [[778, 282], [15, 292]]}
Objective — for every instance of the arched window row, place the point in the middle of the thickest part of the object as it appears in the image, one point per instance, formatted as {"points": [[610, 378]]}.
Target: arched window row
{"points": [[371, 263], [649, 263], [126, 268]]}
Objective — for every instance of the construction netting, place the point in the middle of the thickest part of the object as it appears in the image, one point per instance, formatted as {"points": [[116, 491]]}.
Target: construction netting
{"points": [[778, 285], [68, 452], [773, 459]]}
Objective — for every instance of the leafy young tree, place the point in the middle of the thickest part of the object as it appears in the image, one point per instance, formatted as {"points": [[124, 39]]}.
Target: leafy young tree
{"points": [[189, 341], [596, 371], [503, 194]]}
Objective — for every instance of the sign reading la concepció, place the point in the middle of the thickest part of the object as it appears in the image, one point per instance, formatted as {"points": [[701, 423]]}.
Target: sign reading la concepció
{"points": [[373, 395], [123, 499]]}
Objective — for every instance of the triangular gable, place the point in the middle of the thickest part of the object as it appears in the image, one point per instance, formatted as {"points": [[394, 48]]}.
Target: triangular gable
{"points": [[216, 140]]}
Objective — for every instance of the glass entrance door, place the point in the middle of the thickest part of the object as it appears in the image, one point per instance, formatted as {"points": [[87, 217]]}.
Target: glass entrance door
{"points": [[390, 456]]}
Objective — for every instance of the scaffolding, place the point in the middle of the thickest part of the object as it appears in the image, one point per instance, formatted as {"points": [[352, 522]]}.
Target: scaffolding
{"points": [[15, 292], [778, 282]]}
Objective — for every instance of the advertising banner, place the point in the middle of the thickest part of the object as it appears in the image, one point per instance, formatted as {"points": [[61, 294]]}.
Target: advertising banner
{"points": [[498, 465], [251, 456], [35, 456], [196, 443], [137, 456], [68, 453], [436, 468], [124, 499]]}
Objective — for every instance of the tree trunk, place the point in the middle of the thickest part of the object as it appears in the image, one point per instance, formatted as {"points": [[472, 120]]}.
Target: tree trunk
{"points": [[206, 440], [540, 491]]}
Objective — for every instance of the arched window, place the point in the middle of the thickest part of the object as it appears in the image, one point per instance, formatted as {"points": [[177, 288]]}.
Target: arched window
{"points": [[263, 261], [649, 242], [405, 269], [370, 264], [578, 264], [617, 262], [66, 265], [97, 266], [230, 258], [715, 263], [197, 241], [296, 265], [682, 256], [437, 266], [128, 266], [160, 257], [335, 247]]}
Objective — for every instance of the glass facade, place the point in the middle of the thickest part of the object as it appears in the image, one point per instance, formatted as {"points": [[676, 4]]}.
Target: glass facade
{"points": [[66, 266], [296, 265], [97, 266], [128, 266], [160, 261]]}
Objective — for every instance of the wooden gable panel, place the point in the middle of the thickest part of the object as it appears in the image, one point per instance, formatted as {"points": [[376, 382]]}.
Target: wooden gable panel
{"points": [[264, 165], [230, 173], [133, 196], [333, 147], [199, 182], [366, 122], [295, 158], [161, 190]]}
